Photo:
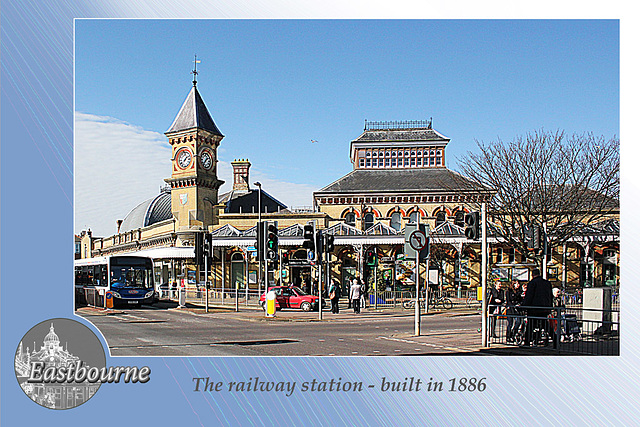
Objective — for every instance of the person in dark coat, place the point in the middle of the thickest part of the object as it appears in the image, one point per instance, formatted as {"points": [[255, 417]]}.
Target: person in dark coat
{"points": [[334, 291], [495, 303], [536, 300], [514, 299]]}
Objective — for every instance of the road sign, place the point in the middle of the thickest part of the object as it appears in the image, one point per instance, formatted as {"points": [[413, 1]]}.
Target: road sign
{"points": [[409, 252], [417, 240]]}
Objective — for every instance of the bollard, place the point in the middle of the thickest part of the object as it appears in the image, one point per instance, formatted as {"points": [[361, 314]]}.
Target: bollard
{"points": [[108, 299], [270, 304], [182, 296]]}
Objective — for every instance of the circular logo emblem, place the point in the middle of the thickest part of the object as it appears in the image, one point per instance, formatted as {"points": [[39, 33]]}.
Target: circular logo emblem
{"points": [[58, 362]]}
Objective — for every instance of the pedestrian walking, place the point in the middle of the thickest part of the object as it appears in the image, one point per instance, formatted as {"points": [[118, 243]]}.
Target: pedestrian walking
{"points": [[495, 304], [355, 293], [364, 293], [514, 298], [334, 296], [538, 301]]}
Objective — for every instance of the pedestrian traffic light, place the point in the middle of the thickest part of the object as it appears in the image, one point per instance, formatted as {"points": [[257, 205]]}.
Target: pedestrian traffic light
{"points": [[329, 246], [472, 225], [198, 248], [371, 257], [271, 241], [309, 236], [285, 258]]}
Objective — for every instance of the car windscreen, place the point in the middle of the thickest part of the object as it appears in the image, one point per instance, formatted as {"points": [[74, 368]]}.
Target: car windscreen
{"points": [[299, 291]]}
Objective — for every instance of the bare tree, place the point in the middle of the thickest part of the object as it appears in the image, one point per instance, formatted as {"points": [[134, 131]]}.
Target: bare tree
{"points": [[546, 177]]}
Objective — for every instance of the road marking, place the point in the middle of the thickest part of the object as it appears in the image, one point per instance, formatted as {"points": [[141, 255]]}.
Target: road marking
{"points": [[443, 347]]}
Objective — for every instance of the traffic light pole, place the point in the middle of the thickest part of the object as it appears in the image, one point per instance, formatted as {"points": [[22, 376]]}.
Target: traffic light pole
{"points": [[544, 250], [417, 275], [484, 275], [206, 284], [320, 284]]}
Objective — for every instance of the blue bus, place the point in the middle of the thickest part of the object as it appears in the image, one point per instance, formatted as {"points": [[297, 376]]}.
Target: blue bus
{"points": [[129, 278]]}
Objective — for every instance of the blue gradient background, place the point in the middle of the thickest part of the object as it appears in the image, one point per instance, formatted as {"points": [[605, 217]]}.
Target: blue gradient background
{"points": [[36, 269]]}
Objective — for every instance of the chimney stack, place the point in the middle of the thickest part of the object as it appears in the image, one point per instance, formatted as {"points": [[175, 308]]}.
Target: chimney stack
{"points": [[241, 175]]}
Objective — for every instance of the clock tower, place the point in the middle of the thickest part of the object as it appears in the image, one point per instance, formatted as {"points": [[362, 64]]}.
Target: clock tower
{"points": [[194, 139]]}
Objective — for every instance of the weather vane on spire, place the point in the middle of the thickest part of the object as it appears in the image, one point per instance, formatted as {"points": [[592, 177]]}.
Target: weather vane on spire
{"points": [[196, 61]]}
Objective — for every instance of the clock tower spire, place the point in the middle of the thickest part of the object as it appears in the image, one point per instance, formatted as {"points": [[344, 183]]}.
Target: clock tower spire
{"points": [[194, 139]]}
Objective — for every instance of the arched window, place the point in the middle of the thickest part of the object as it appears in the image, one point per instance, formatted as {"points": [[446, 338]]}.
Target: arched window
{"points": [[413, 217], [396, 221], [350, 219], [441, 217], [459, 221], [368, 220]]}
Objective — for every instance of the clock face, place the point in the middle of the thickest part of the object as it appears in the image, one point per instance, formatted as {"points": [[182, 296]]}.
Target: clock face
{"points": [[184, 158], [206, 159]]}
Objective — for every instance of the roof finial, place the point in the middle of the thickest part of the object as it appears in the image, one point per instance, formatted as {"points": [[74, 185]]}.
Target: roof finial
{"points": [[196, 61]]}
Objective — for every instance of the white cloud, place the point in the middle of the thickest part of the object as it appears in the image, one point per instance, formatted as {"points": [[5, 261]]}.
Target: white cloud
{"points": [[119, 165]]}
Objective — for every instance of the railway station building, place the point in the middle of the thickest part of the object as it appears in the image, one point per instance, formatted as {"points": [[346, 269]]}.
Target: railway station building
{"points": [[399, 177]]}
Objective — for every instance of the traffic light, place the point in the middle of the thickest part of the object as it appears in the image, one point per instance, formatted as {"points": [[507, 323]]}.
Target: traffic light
{"points": [[198, 247], [537, 237], [532, 236], [319, 242], [371, 257], [208, 246], [271, 241], [285, 258], [259, 244], [472, 225], [329, 246], [309, 237]]}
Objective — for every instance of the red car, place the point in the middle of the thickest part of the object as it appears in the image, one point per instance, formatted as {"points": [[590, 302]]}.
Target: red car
{"points": [[292, 297]]}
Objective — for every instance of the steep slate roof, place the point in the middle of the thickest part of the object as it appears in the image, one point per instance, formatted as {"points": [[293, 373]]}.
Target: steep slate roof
{"points": [[400, 180], [194, 114]]}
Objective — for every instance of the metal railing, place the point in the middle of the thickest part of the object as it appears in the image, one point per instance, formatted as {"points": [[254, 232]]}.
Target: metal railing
{"points": [[566, 329]]}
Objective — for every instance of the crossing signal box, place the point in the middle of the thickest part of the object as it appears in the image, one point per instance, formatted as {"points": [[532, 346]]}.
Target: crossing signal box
{"points": [[472, 225], [285, 258], [309, 237], [271, 241], [329, 246]]}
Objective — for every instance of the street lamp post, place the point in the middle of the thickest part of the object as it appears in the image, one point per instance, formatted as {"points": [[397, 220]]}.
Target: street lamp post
{"points": [[258, 229]]}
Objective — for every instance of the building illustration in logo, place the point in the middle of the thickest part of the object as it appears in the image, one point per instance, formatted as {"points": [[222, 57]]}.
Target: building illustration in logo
{"points": [[52, 395]]}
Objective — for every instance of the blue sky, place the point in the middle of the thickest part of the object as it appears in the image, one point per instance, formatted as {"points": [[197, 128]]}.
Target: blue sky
{"points": [[272, 86]]}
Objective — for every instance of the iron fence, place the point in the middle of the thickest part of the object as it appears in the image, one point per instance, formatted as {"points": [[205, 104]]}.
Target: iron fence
{"points": [[567, 330]]}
